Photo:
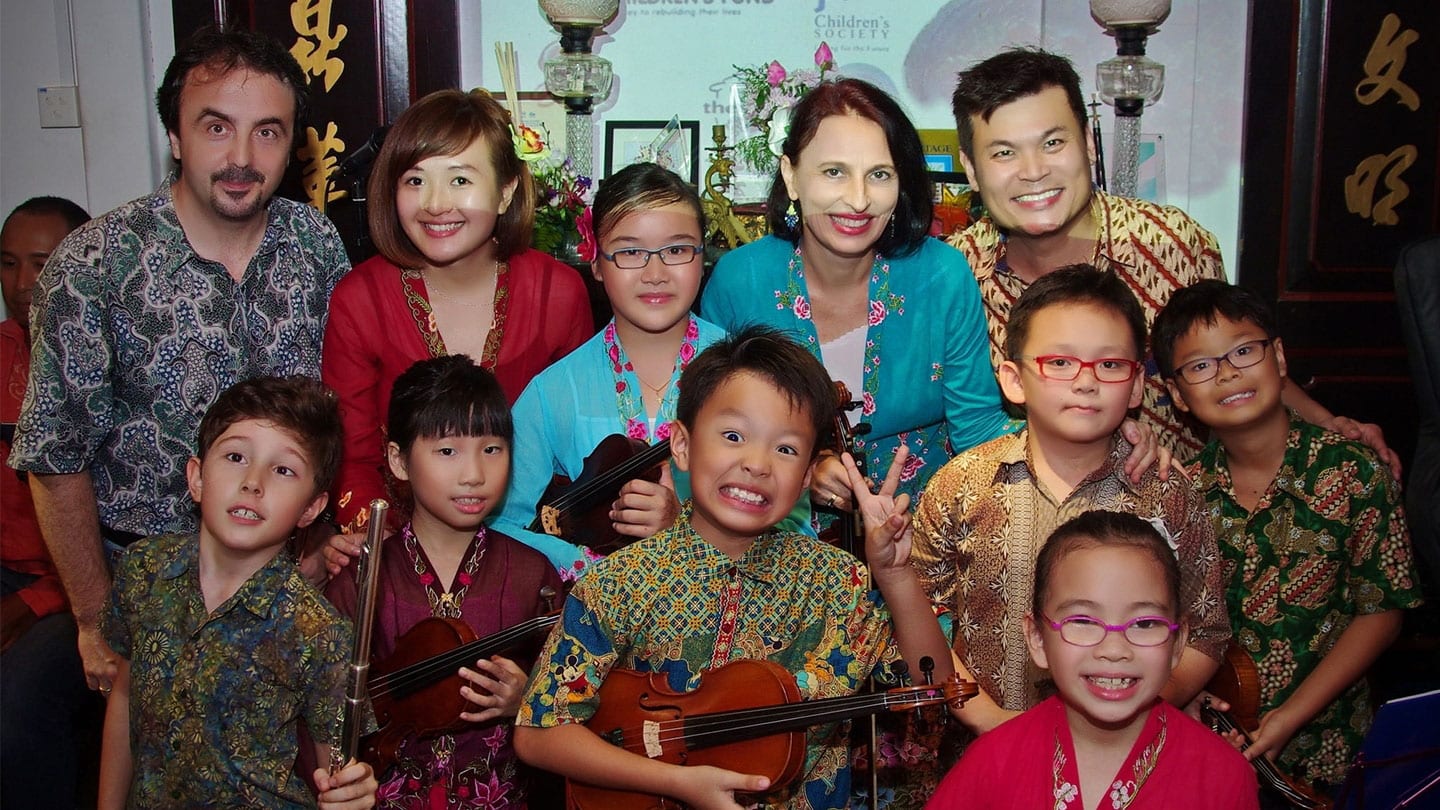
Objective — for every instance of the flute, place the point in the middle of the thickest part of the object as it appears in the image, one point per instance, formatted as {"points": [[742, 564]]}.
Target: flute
{"points": [[356, 692]]}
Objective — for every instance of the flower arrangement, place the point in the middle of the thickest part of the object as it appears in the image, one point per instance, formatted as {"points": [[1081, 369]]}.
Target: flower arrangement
{"points": [[562, 197], [769, 91]]}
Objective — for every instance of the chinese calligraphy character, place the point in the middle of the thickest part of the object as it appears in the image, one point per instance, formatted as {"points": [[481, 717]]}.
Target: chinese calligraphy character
{"points": [[321, 156], [1360, 185], [1385, 62], [311, 18]]}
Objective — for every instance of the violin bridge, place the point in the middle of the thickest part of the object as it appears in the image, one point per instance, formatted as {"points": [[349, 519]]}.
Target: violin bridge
{"points": [[650, 734]]}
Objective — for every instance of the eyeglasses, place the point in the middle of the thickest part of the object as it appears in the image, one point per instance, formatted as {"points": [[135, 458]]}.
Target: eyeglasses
{"points": [[1064, 368], [1088, 631], [1203, 369], [636, 258]]}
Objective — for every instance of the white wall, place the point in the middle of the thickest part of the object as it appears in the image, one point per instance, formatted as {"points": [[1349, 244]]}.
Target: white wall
{"points": [[665, 64], [674, 59], [120, 49]]}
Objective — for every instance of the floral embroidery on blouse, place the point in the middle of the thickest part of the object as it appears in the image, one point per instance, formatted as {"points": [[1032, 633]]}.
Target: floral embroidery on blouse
{"points": [[414, 283], [627, 396], [883, 303], [1122, 791]]}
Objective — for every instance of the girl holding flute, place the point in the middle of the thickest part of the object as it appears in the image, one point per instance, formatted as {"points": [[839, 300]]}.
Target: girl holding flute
{"points": [[449, 432]]}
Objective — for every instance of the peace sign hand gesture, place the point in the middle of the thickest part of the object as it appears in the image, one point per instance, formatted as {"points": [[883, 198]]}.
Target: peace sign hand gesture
{"points": [[886, 515]]}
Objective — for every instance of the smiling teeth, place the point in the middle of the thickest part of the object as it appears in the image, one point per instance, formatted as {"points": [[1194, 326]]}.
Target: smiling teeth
{"points": [[745, 495], [1037, 197], [448, 227], [1237, 397], [1112, 683], [247, 514]]}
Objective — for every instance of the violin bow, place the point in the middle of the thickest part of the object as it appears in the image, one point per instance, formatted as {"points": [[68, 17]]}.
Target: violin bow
{"points": [[353, 709]]}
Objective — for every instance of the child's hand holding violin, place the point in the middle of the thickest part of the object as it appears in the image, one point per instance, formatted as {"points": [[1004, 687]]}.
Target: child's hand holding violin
{"points": [[496, 688], [644, 507]]}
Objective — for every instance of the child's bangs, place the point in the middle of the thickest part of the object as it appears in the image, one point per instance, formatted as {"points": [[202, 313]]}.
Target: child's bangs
{"points": [[462, 416]]}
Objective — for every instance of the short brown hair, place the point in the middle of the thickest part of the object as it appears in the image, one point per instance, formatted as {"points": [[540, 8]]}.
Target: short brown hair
{"points": [[1075, 284], [446, 122], [1009, 76], [221, 50], [300, 406], [772, 356]]}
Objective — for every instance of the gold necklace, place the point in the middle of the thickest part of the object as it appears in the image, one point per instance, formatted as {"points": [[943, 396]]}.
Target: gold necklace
{"points": [[484, 301], [658, 389]]}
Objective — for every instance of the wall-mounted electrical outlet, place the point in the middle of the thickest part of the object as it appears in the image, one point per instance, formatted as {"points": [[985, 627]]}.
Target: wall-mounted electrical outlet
{"points": [[59, 106]]}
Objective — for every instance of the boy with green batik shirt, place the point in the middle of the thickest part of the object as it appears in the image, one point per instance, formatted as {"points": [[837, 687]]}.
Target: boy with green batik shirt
{"points": [[1317, 558]]}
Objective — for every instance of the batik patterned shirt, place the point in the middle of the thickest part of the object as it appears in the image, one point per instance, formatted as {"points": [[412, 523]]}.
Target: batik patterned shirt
{"points": [[1155, 249], [1326, 542], [135, 336], [215, 698], [982, 523], [675, 604]]}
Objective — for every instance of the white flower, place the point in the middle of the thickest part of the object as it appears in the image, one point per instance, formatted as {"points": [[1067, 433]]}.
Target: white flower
{"points": [[779, 130], [1159, 524]]}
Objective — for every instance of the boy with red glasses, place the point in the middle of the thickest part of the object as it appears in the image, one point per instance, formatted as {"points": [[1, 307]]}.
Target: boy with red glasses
{"points": [[1074, 346]]}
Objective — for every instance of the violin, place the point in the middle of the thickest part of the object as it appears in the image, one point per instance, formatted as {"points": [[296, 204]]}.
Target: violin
{"points": [[745, 716], [579, 510], [1237, 682], [415, 691], [848, 531]]}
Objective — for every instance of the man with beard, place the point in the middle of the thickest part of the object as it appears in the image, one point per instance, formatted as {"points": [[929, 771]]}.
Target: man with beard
{"points": [[144, 315]]}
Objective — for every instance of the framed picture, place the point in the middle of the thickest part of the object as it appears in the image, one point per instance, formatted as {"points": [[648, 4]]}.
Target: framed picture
{"points": [[543, 113], [674, 144]]}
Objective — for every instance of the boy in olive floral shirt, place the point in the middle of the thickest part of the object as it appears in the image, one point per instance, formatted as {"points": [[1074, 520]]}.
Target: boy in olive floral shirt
{"points": [[1317, 557], [229, 648]]}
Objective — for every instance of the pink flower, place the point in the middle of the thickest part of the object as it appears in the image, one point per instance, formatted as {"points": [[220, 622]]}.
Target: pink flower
{"points": [[635, 429], [692, 330], [586, 226], [877, 313], [464, 578], [620, 386], [687, 352], [801, 308], [774, 74], [868, 404], [824, 59], [911, 467], [663, 432], [427, 578]]}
